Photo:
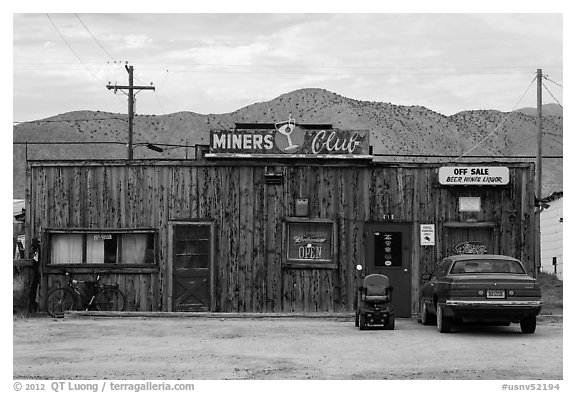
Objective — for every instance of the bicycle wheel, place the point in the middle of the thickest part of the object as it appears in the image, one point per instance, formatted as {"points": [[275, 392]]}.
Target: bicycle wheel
{"points": [[59, 301], [110, 299]]}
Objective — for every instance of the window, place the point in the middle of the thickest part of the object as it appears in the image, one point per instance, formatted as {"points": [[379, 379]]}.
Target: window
{"points": [[192, 245], [309, 242], [476, 266], [442, 269], [102, 248]]}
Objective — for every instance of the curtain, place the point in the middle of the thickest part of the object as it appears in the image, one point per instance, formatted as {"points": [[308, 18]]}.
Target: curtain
{"points": [[134, 248], [66, 249], [94, 249]]}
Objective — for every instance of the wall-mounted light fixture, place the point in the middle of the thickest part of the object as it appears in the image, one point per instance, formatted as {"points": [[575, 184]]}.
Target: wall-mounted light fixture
{"points": [[301, 207]]}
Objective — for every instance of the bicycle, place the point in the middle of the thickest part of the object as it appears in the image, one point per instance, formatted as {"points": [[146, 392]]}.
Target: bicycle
{"points": [[84, 295]]}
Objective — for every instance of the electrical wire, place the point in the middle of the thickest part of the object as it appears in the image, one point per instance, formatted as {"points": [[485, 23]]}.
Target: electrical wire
{"points": [[68, 120], [549, 92], [72, 50], [501, 123], [314, 70], [94, 38], [556, 83]]}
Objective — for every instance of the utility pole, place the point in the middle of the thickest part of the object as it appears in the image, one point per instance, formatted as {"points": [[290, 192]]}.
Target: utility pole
{"points": [[539, 133], [130, 88], [538, 239]]}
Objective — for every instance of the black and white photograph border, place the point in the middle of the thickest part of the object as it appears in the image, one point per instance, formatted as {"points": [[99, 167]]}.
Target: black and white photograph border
{"points": [[212, 184]]}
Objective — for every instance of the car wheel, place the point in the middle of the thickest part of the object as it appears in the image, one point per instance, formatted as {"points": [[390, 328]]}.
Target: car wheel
{"points": [[425, 316], [528, 325], [443, 323], [356, 322], [362, 321]]}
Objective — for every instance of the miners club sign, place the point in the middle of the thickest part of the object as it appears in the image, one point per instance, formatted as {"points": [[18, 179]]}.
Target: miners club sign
{"points": [[288, 139]]}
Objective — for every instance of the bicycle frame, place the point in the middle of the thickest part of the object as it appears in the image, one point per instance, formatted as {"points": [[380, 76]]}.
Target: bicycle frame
{"points": [[94, 289]]}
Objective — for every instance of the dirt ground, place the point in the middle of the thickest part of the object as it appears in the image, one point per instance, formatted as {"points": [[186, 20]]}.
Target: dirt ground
{"points": [[278, 348]]}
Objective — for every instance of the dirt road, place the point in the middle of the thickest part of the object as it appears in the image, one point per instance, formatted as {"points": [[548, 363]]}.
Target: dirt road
{"points": [[299, 348]]}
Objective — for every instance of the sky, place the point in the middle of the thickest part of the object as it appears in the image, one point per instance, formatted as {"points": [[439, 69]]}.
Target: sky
{"points": [[221, 62]]}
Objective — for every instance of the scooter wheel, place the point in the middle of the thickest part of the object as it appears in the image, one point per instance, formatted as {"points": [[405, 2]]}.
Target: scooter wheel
{"points": [[362, 322]]}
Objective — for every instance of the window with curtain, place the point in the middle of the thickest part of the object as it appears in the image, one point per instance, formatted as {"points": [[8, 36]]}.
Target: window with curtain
{"points": [[66, 249], [102, 248], [134, 248]]}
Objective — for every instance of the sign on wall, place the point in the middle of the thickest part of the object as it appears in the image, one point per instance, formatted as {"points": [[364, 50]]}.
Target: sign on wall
{"points": [[474, 175], [310, 241], [470, 247], [427, 235], [287, 139]]}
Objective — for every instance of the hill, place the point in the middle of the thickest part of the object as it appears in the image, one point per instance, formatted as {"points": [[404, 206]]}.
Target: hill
{"points": [[395, 129]]}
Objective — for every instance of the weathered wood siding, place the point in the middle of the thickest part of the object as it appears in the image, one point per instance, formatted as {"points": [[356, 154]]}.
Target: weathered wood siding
{"points": [[248, 216]]}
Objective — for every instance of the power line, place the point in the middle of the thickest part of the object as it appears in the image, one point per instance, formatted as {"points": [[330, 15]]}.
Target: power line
{"points": [[456, 156], [68, 120], [176, 145], [71, 49], [501, 123], [549, 92], [548, 79], [94, 38], [314, 70]]}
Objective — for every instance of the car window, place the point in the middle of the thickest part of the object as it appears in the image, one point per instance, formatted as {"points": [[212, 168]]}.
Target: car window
{"points": [[441, 269], [475, 266]]}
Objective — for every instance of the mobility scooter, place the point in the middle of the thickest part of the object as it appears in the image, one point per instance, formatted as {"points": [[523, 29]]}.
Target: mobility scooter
{"points": [[374, 296]]}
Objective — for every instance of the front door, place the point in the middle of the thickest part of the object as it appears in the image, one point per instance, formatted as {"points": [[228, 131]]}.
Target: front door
{"points": [[192, 262], [388, 252]]}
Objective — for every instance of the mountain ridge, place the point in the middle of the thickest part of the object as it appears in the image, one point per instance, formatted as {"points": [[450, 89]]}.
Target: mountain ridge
{"points": [[395, 129]]}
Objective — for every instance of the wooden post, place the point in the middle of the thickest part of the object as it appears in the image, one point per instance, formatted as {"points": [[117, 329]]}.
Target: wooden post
{"points": [[130, 89], [539, 134], [538, 168]]}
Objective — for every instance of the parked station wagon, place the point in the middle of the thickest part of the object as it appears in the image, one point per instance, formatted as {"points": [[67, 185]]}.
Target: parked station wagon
{"points": [[493, 289]]}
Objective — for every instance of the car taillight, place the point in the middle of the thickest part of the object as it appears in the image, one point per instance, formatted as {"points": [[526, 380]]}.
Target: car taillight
{"points": [[481, 292], [511, 292]]}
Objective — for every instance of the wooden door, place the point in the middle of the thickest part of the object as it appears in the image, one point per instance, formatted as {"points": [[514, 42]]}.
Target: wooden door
{"points": [[192, 266], [388, 252]]}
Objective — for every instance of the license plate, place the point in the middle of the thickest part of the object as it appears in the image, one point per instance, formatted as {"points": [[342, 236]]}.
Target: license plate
{"points": [[495, 294]]}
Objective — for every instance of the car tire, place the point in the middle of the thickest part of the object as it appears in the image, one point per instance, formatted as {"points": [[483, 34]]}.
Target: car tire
{"points": [[425, 317], [356, 321], [443, 323], [362, 321], [528, 325]]}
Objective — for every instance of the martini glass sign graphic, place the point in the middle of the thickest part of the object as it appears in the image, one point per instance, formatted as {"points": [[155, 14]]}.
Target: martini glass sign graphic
{"points": [[293, 141]]}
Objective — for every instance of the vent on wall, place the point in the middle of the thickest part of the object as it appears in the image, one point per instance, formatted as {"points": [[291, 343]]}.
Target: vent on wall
{"points": [[273, 175]]}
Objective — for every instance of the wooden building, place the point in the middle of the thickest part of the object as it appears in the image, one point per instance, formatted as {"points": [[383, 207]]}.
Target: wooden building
{"points": [[262, 232]]}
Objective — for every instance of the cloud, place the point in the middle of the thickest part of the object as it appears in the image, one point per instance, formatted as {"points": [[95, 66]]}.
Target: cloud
{"points": [[214, 53], [137, 41]]}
